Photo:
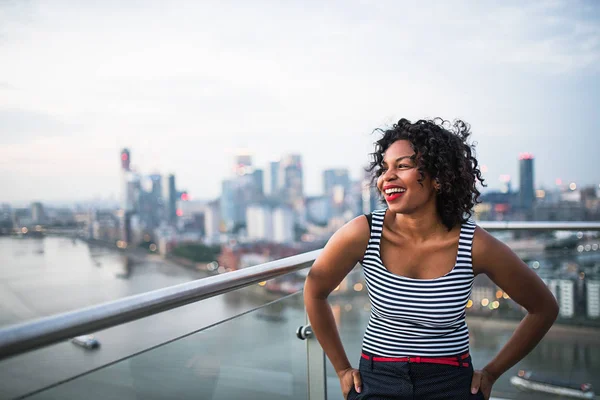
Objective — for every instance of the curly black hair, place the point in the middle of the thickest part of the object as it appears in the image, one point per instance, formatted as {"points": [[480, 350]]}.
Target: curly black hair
{"points": [[442, 152]]}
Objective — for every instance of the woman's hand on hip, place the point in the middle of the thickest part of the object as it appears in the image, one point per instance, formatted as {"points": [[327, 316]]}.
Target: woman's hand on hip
{"points": [[483, 381], [349, 378]]}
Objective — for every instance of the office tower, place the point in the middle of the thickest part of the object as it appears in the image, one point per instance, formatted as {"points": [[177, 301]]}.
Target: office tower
{"points": [[370, 195], [259, 219], [526, 184], [242, 163], [125, 160], [283, 225], [236, 194], [129, 198], [317, 209], [37, 213], [336, 187], [273, 178], [169, 196], [291, 179], [212, 222], [258, 183]]}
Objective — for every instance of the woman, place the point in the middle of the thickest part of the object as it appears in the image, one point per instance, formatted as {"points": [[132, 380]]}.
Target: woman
{"points": [[419, 258]]}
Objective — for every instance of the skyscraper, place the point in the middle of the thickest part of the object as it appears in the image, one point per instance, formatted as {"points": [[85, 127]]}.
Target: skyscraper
{"points": [[291, 179], [125, 160], [37, 213], [242, 163], [170, 198], [526, 185], [273, 183], [336, 187], [129, 198], [258, 182], [370, 195]]}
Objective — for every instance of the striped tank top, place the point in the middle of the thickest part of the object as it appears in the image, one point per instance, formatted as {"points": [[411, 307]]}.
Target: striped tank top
{"points": [[417, 317]]}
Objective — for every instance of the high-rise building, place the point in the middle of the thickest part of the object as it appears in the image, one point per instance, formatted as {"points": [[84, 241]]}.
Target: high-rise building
{"points": [[273, 179], [283, 225], [291, 179], [169, 196], [335, 177], [259, 219], [130, 196], [370, 195], [336, 187], [125, 160], [37, 213], [228, 203], [317, 210], [526, 184], [242, 163], [212, 222], [258, 183]]}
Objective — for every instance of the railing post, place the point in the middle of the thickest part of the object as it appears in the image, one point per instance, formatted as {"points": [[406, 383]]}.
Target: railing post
{"points": [[315, 361]]}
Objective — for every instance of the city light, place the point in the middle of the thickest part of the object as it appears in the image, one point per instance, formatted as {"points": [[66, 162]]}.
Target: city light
{"points": [[469, 303], [24, 230], [179, 212], [540, 194], [348, 307], [505, 296], [495, 305], [485, 302], [358, 287], [558, 181], [572, 186], [153, 247], [185, 196], [525, 156], [263, 283], [499, 294]]}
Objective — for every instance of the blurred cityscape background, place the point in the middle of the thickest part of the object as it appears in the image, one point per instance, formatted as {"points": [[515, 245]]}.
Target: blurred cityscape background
{"points": [[144, 145]]}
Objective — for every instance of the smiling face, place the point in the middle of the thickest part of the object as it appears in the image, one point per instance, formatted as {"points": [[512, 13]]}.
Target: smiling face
{"points": [[399, 180]]}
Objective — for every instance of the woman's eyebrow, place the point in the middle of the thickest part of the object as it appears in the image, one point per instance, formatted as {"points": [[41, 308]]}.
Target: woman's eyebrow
{"points": [[401, 158]]}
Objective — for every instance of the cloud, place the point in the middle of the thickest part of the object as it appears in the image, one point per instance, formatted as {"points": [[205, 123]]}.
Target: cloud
{"points": [[19, 126]]}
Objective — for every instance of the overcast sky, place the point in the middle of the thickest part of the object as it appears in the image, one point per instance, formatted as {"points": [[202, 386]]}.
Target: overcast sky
{"points": [[184, 84]]}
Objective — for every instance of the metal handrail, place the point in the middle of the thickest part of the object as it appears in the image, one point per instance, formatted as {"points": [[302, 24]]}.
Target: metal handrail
{"points": [[539, 225], [28, 336]]}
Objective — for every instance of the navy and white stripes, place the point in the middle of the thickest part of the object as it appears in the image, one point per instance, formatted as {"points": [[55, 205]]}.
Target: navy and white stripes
{"points": [[417, 317]]}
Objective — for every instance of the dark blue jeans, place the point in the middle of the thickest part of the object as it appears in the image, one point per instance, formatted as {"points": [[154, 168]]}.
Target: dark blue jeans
{"points": [[414, 381]]}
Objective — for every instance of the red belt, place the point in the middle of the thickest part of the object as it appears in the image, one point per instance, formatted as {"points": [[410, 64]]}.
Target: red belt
{"points": [[457, 361]]}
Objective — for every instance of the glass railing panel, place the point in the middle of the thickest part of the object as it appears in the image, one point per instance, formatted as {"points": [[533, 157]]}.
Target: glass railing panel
{"points": [[42, 368], [255, 355], [570, 351]]}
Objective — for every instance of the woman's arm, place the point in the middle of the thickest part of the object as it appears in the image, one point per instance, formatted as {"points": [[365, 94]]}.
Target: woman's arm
{"points": [[343, 251], [512, 275]]}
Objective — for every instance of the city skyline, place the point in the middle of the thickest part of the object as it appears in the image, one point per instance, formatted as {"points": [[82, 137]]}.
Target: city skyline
{"points": [[116, 196], [180, 90]]}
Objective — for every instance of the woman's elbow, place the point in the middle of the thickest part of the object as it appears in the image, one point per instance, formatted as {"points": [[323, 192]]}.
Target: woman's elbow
{"points": [[313, 290]]}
